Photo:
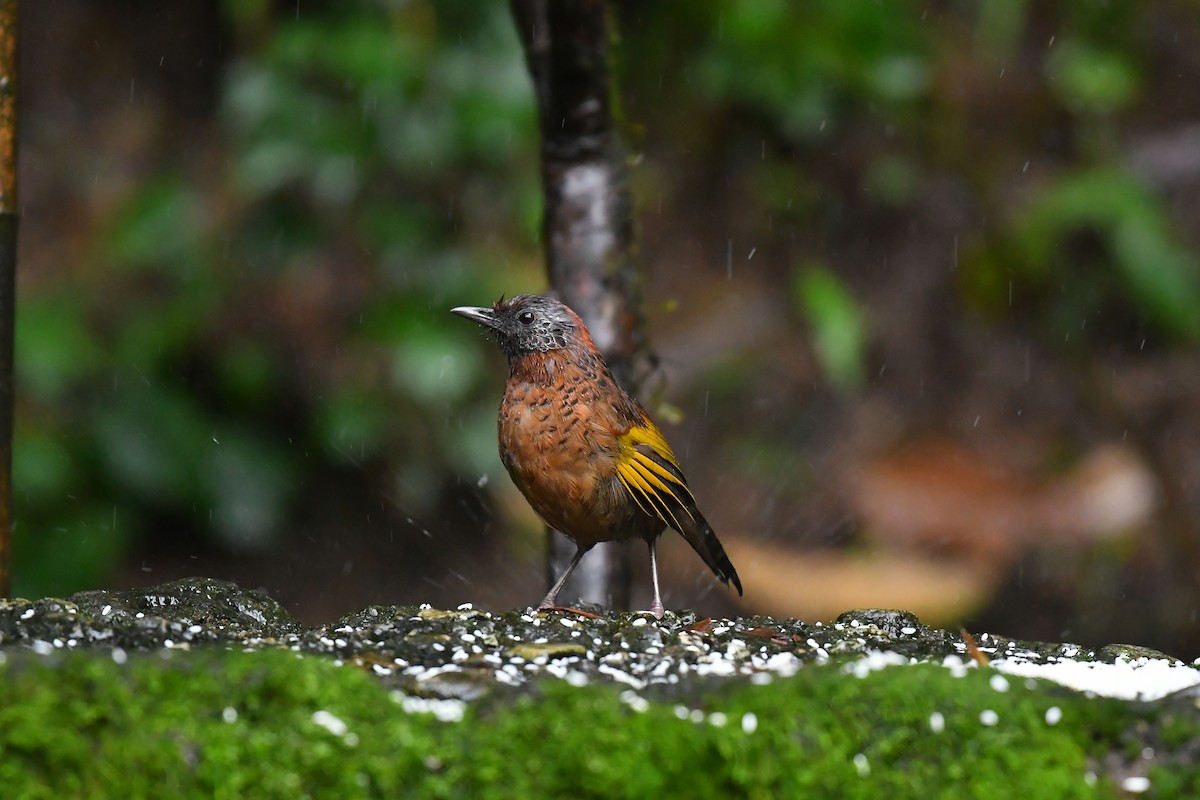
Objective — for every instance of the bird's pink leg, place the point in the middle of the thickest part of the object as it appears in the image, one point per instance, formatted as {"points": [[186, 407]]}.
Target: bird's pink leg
{"points": [[551, 599], [656, 606]]}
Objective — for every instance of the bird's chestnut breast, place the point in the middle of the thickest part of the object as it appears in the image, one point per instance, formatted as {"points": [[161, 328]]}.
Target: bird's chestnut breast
{"points": [[558, 441]]}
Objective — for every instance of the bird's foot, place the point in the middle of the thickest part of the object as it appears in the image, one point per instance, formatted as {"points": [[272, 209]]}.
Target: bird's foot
{"points": [[656, 608]]}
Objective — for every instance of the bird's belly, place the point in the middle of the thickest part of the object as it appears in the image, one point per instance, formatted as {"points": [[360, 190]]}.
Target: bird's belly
{"points": [[563, 466]]}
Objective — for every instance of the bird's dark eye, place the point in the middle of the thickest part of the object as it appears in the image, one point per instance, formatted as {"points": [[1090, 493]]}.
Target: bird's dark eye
{"points": [[525, 318]]}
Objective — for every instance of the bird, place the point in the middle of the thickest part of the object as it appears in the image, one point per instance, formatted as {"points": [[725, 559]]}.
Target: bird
{"points": [[582, 451]]}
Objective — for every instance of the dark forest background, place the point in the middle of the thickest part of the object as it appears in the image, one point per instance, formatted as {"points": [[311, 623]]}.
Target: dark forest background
{"points": [[921, 280]]}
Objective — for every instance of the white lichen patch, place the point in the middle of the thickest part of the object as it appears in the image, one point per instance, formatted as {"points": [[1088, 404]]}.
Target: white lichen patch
{"points": [[1140, 679]]}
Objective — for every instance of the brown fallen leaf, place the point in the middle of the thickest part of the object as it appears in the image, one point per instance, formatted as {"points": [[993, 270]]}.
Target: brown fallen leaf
{"points": [[820, 586], [941, 497]]}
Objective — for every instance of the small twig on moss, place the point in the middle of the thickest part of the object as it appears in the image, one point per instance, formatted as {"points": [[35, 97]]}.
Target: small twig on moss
{"points": [[973, 649]]}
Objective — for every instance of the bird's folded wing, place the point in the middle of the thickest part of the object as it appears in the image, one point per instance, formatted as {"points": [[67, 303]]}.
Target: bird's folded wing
{"points": [[648, 470]]}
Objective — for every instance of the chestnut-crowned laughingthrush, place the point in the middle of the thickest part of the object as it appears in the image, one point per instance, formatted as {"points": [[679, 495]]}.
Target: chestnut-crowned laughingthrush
{"points": [[582, 451]]}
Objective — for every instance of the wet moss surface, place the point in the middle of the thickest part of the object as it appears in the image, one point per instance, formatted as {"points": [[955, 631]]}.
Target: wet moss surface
{"points": [[202, 689]]}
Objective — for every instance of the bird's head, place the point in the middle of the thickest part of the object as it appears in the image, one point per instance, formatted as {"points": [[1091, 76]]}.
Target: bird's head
{"points": [[529, 323]]}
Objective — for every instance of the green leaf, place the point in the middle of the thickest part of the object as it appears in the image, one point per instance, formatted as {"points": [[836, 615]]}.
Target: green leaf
{"points": [[162, 228], [44, 468], [353, 424], [150, 437], [838, 325], [54, 346], [1091, 79], [435, 366], [79, 552], [1161, 275]]}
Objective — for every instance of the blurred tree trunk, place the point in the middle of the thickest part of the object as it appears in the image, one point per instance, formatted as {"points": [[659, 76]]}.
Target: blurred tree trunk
{"points": [[8, 269], [587, 228]]}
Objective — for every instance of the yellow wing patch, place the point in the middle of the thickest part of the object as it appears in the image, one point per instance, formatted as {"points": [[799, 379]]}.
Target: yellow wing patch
{"points": [[658, 488]]}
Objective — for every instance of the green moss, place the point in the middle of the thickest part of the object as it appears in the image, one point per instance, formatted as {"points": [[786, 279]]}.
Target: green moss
{"points": [[157, 726], [810, 729], [161, 725], [1176, 733]]}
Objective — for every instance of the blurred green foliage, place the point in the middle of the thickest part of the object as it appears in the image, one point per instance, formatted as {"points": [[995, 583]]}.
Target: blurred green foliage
{"points": [[838, 324], [812, 75], [803, 63], [1090, 78], [241, 331], [1141, 259], [257, 318]]}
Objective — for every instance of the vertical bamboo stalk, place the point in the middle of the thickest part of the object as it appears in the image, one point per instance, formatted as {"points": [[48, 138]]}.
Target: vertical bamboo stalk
{"points": [[8, 271]]}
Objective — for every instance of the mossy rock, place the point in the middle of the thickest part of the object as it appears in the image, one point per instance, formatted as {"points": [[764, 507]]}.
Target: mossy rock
{"points": [[403, 702]]}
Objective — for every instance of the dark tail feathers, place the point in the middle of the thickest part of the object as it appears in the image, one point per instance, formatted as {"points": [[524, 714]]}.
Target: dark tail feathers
{"points": [[704, 541]]}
